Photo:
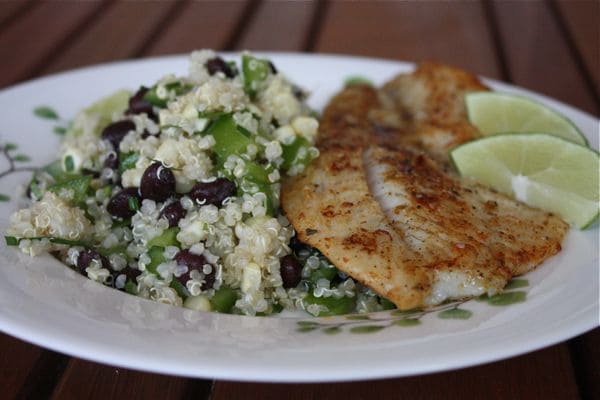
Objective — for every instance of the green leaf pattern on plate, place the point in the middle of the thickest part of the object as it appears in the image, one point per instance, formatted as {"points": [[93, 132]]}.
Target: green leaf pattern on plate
{"points": [[372, 323]]}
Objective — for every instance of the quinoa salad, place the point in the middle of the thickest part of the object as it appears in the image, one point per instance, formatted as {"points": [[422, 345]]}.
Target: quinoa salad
{"points": [[171, 193]]}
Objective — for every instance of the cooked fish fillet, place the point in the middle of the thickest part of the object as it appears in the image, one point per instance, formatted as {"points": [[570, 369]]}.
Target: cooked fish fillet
{"points": [[432, 94], [431, 102], [472, 238], [332, 210], [383, 211], [424, 110], [356, 116]]}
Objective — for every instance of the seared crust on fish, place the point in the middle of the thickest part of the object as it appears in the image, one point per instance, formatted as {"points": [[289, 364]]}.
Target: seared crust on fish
{"points": [[432, 94], [460, 230], [381, 204], [332, 210]]}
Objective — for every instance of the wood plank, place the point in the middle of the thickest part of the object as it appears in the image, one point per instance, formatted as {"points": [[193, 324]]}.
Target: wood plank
{"points": [[11, 9], [452, 32], [538, 56], [279, 26], [17, 358], [47, 26], [206, 24], [524, 377], [585, 351], [582, 19], [88, 380], [114, 35]]}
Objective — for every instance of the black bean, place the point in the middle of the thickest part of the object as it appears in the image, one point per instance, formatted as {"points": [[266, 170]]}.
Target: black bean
{"points": [[85, 259], [217, 64], [291, 271], [131, 273], [213, 192], [272, 67], [137, 104], [298, 93], [94, 174], [119, 205], [173, 213], [112, 161], [130, 276], [194, 262], [296, 245], [158, 182], [116, 131]]}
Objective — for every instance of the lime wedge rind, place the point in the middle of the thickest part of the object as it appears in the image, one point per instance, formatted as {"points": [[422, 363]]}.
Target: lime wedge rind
{"points": [[490, 160], [496, 112]]}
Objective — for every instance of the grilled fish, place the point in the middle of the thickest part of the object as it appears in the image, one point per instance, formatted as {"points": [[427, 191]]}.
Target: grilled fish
{"points": [[382, 205]]}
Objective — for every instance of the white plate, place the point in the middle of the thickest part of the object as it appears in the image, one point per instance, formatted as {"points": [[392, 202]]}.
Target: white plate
{"points": [[45, 303]]}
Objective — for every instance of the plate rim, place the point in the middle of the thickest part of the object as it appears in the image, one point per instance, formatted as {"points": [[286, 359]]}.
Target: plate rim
{"points": [[279, 376]]}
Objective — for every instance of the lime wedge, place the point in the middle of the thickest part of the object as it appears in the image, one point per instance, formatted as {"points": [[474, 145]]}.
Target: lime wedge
{"points": [[493, 112], [538, 169]]}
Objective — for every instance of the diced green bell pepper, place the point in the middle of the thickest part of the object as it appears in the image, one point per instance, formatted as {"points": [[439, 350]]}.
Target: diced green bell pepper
{"points": [[224, 299], [255, 72], [168, 238], [79, 185], [343, 305], [156, 257], [258, 176], [179, 288], [229, 140], [152, 97], [322, 273], [131, 288], [293, 153], [386, 304]]}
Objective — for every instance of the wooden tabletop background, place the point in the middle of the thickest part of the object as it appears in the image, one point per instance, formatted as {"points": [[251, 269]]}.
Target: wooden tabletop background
{"points": [[548, 46]]}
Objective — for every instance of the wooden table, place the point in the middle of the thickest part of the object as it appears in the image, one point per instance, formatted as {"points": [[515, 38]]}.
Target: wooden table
{"points": [[548, 46]]}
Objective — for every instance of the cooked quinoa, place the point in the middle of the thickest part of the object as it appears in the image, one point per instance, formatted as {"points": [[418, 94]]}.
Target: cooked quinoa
{"points": [[172, 194]]}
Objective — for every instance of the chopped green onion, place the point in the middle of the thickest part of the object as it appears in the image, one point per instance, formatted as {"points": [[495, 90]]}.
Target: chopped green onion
{"points": [[127, 161], [133, 203], [69, 164]]}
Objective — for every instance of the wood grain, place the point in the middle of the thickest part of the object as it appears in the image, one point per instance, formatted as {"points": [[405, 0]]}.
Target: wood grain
{"points": [[538, 57], [530, 42], [453, 32], [88, 380], [582, 22], [523, 377], [585, 351], [47, 27], [278, 26], [119, 33], [16, 360], [205, 24], [11, 9]]}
